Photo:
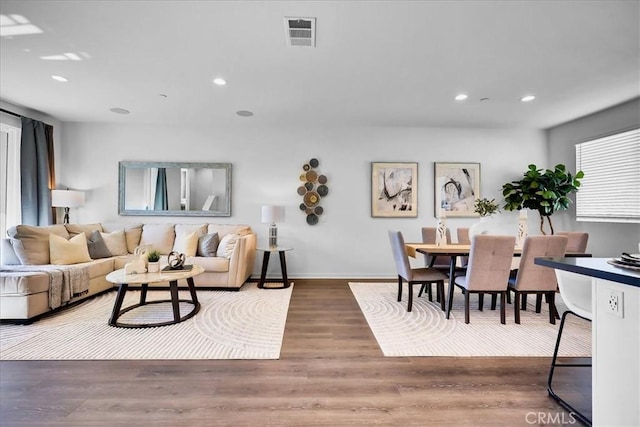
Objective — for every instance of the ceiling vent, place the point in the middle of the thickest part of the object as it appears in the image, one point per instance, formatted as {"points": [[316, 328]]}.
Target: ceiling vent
{"points": [[300, 31]]}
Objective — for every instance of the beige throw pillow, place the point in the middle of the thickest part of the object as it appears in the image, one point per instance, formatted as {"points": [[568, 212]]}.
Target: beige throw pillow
{"points": [[65, 252], [116, 242], [186, 243]]}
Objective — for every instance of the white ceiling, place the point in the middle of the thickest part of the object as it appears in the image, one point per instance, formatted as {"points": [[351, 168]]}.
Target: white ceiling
{"points": [[387, 63]]}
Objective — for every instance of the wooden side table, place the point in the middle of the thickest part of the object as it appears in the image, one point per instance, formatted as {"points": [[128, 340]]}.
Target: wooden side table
{"points": [[283, 266]]}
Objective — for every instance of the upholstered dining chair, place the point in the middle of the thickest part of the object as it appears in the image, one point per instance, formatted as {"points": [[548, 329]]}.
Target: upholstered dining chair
{"points": [[413, 276], [441, 263], [577, 240], [575, 290], [537, 279], [463, 238], [487, 271]]}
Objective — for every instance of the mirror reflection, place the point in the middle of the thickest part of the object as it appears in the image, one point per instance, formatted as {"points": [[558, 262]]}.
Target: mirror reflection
{"points": [[174, 189]]}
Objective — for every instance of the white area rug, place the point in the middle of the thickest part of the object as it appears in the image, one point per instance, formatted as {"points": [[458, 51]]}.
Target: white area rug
{"points": [[248, 324], [426, 332]]}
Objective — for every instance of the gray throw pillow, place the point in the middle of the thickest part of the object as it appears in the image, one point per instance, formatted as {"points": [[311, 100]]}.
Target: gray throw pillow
{"points": [[208, 245], [97, 246]]}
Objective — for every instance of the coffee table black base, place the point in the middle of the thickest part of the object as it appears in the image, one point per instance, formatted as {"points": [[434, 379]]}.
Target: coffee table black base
{"points": [[175, 302]]}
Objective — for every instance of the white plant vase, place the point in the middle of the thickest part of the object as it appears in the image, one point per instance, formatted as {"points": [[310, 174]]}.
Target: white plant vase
{"points": [[153, 267], [441, 232], [480, 227]]}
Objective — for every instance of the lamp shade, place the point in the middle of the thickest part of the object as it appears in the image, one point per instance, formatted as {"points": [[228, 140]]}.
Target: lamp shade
{"points": [[67, 198], [272, 214]]}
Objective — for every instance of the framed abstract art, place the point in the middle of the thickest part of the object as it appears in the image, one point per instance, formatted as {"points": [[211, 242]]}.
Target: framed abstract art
{"points": [[456, 187], [394, 192]]}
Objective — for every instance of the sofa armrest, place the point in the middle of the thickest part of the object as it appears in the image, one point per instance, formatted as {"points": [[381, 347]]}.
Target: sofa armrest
{"points": [[9, 256], [242, 260]]}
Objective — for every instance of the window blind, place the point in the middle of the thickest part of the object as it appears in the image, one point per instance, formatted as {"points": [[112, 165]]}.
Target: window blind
{"points": [[610, 190]]}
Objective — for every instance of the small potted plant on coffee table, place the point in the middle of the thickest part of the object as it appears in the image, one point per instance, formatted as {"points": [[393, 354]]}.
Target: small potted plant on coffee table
{"points": [[153, 261]]}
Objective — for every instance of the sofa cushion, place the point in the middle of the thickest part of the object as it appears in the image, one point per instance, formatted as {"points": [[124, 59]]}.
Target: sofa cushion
{"points": [[100, 267], [227, 245], [210, 264], [75, 229], [116, 242], [97, 247], [224, 229], [208, 245], [186, 243], [133, 233], [31, 243], [65, 252], [159, 236], [200, 229], [23, 283]]}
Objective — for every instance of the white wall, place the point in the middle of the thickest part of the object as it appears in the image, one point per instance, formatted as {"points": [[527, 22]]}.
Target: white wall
{"points": [[267, 163], [605, 239]]}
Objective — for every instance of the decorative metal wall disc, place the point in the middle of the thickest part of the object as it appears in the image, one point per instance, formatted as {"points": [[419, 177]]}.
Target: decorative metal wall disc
{"points": [[311, 198], [312, 219], [312, 190], [323, 190]]}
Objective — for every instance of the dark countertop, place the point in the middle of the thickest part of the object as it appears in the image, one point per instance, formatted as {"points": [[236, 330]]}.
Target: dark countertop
{"points": [[594, 267]]}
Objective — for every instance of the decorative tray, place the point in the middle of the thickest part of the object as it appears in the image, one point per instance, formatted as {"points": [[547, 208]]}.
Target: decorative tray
{"points": [[182, 269]]}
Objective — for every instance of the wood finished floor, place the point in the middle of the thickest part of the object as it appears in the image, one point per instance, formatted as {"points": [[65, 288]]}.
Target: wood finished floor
{"points": [[331, 372]]}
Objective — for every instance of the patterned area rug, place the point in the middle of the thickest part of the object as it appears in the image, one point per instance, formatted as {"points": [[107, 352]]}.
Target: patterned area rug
{"points": [[426, 332], [248, 324]]}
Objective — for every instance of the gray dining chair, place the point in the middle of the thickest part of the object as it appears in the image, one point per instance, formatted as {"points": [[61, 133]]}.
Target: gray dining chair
{"points": [[577, 240], [536, 279], [413, 276], [487, 271]]}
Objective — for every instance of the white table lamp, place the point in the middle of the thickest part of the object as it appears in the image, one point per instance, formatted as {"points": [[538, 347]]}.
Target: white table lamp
{"points": [[67, 199], [272, 215]]}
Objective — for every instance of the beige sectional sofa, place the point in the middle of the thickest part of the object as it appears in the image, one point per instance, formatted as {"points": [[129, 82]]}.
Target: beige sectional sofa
{"points": [[33, 259]]}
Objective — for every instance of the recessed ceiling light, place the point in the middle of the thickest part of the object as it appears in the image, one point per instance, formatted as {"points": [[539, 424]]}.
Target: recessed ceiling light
{"points": [[59, 78], [461, 97], [219, 81], [527, 98], [244, 113], [119, 110]]}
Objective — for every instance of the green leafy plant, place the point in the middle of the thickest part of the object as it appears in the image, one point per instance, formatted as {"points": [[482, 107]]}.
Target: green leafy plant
{"points": [[543, 191], [153, 256], [485, 207]]}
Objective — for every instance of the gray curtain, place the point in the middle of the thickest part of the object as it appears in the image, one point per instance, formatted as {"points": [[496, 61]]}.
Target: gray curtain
{"points": [[37, 172], [161, 201]]}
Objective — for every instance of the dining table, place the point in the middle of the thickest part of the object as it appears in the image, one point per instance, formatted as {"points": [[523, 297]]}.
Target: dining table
{"points": [[453, 251]]}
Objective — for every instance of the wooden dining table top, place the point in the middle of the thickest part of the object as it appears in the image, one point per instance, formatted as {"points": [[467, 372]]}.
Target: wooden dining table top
{"points": [[453, 249]]}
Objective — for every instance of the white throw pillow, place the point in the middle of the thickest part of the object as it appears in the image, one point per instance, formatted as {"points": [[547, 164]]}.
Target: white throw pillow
{"points": [[65, 252], [186, 243], [116, 242], [227, 245]]}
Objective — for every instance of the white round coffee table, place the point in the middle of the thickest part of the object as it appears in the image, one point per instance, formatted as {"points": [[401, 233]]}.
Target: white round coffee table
{"points": [[145, 279]]}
